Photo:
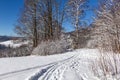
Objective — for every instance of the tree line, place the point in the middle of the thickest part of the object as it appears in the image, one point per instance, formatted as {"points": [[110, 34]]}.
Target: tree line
{"points": [[42, 20]]}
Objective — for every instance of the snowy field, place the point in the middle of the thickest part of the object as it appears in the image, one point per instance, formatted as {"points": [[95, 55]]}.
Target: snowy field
{"points": [[11, 43], [75, 65]]}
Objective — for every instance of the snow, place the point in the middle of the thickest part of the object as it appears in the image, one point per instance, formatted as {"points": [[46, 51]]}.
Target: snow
{"points": [[11, 43], [74, 65]]}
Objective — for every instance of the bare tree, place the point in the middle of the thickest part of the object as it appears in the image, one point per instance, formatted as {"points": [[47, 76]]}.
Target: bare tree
{"points": [[107, 26], [59, 16], [27, 23], [41, 20], [76, 9], [53, 17], [106, 36]]}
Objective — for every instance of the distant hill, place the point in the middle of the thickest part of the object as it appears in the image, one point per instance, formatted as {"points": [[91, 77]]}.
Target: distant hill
{"points": [[12, 42], [84, 36], [6, 38]]}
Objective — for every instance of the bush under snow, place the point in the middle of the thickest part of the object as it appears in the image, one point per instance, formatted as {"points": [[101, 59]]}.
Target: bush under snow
{"points": [[107, 66], [52, 47]]}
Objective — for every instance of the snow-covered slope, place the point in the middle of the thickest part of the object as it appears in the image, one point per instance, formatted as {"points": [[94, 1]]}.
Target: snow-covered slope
{"points": [[73, 65], [11, 43]]}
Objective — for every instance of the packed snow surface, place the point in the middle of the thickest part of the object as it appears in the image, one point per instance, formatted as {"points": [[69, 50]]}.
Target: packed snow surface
{"points": [[74, 65]]}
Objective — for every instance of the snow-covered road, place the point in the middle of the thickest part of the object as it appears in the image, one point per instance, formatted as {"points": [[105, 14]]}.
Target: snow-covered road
{"points": [[73, 65]]}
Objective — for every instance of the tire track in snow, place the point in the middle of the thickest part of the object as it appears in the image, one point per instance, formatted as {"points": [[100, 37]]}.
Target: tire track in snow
{"points": [[54, 72], [46, 67]]}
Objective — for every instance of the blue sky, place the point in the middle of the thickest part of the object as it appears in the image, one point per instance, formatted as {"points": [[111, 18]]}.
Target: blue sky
{"points": [[10, 11], [88, 16]]}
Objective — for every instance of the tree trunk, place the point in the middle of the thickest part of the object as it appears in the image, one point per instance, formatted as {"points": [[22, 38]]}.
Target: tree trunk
{"points": [[77, 27], [50, 19], [35, 35]]}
